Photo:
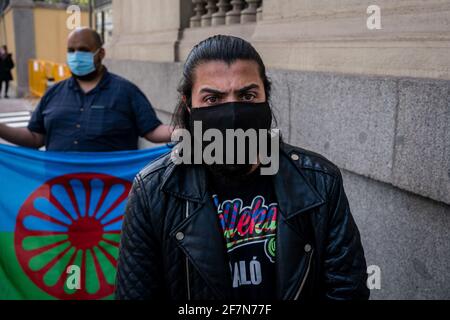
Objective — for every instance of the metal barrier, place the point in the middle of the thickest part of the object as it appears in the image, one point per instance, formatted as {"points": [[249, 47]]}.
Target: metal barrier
{"points": [[43, 74]]}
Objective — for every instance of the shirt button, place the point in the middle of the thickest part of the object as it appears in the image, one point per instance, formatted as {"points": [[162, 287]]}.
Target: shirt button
{"points": [[78, 126], [308, 248], [179, 236], [295, 157], [81, 109], [75, 142]]}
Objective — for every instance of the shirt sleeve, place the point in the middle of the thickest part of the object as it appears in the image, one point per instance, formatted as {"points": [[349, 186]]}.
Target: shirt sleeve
{"points": [[146, 118], [36, 123]]}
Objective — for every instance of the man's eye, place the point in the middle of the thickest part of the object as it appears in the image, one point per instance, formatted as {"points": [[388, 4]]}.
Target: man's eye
{"points": [[248, 97], [211, 100]]}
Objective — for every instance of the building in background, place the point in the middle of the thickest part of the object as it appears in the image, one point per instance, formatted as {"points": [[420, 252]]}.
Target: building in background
{"points": [[374, 101], [36, 30], [103, 19]]}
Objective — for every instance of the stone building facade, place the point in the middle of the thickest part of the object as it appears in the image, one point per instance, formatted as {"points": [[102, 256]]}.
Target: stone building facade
{"points": [[374, 101]]}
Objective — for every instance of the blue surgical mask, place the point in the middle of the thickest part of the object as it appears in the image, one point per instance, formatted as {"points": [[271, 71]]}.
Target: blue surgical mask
{"points": [[81, 63]]}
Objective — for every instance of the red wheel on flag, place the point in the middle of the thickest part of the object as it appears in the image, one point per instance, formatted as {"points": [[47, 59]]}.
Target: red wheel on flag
{"points": [[67, 235]]}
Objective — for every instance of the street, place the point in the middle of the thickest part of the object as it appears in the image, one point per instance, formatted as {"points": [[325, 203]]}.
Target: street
{"points": [[16, 112]]}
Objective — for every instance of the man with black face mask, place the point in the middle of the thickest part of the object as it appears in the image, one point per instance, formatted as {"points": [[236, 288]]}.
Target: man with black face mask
{"points": [[94, 110], [234, 116], [200, 229], [246, 203]]}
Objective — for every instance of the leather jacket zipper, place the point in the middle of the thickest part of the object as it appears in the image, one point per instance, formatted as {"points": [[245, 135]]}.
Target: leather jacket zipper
{"points": [[302, 283], [187, 261]]}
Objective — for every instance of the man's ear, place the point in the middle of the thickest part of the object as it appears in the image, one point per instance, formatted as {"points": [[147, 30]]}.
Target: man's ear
{"points": [[184, 99], [102, 54]]}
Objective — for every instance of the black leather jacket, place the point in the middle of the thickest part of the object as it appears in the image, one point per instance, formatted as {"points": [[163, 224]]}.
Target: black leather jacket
{"points": [[172, 247]]}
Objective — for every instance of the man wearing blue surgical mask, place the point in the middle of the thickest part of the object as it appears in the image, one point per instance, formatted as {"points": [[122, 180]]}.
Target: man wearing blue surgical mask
{"points": [[82, 64], [94, 110]]}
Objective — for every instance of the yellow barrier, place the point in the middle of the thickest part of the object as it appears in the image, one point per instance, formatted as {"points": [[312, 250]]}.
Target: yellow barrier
{"points": [[42, 72]]}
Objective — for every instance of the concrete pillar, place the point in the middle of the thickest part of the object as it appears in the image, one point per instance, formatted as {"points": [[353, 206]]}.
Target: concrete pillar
{"points": [[259, 12], [199, 9], [234, 16], [25, 48], [249, 14], [218, 18], [211, 8]]}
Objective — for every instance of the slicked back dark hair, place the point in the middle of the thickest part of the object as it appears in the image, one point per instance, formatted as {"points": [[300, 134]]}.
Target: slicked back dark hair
{"points": [[222, 48]]}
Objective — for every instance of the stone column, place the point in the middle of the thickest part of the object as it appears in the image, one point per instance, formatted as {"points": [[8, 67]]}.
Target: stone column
{"points": [[25, 49], [234, 16], [249, 14], [207, 17], [218, 18], [199, 9], [259, 12]]}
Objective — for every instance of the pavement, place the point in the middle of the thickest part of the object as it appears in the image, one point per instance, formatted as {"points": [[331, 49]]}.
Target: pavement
{"points": [[16, 112]]}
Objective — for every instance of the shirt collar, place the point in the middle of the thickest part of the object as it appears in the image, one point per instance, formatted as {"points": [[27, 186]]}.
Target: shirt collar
{"points": [[103, 84]]}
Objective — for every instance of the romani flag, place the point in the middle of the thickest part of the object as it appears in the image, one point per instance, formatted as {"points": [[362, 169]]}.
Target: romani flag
{"points": [[60, 218]]}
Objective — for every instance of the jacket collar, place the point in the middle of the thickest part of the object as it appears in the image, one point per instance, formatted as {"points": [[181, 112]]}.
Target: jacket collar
{"points": [[186, 182], [295, 194], [189, 182]]}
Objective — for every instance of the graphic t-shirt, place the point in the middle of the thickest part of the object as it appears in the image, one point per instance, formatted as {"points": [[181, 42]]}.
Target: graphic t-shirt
{"points": [[247, 211]]}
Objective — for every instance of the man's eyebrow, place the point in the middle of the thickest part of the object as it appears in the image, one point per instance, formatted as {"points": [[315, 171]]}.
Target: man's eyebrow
{"points": [[241, 90], [249, 87], [211, 90]]}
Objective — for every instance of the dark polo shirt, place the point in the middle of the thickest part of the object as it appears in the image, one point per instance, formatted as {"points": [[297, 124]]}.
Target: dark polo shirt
{"points": [[110, 117]]}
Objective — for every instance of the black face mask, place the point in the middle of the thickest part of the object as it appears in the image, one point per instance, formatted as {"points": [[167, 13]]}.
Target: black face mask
{"points": [[233, 115]]}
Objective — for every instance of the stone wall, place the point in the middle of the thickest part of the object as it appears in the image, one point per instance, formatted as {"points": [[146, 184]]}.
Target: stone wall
{"points": [[310, 35], [375, 102], [391, 138]]}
